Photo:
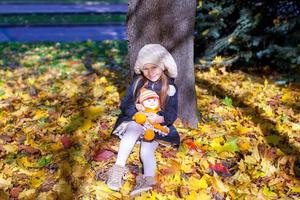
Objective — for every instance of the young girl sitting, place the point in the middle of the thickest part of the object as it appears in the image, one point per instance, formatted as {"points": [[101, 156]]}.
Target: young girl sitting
{"points": [[155, 70]]}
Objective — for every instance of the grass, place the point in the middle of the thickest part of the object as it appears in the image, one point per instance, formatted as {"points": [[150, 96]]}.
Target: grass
{"points": [[13, 54], [72, 19]]}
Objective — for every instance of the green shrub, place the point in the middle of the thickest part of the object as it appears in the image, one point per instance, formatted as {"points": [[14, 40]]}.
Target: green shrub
{"points": [[249, 33]]}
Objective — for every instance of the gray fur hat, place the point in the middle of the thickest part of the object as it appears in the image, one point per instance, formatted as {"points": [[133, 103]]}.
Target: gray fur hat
{"points": [[156, 54]]}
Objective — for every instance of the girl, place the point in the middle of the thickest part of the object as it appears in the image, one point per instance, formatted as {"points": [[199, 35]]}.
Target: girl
{"points": [[155, 69]]}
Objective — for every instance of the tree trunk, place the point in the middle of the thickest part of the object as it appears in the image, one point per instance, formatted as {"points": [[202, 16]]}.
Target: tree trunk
{"points": [[170, 23]]}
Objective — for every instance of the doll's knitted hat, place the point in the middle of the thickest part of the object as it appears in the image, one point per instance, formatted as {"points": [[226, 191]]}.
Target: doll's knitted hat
{"points": [[146, 94], [156, 54]]}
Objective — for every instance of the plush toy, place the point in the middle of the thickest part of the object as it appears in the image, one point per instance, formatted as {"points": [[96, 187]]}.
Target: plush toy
{"points": [[148, 102]]}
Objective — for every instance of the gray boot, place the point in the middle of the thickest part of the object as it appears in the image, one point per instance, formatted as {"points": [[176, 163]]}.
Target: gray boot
{"points": [[143, 184], [115, 177]]}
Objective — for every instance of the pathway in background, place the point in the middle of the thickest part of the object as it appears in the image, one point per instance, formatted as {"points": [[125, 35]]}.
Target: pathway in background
{"points": [[62, 33], [62, 8]]}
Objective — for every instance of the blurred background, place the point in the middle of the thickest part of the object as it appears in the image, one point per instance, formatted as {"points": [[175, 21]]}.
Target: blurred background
{"points": [[252, 35], [71, 20]]}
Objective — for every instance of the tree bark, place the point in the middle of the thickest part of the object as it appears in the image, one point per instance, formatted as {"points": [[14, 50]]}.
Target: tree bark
{"points": [[171, 24]]}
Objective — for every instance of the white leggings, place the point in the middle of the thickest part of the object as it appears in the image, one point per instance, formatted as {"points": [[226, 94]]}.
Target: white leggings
{"points": [[147, 151]]}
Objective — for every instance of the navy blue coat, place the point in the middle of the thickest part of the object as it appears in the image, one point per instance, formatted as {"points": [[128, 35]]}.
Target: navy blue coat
{"points": [[169, 112]]}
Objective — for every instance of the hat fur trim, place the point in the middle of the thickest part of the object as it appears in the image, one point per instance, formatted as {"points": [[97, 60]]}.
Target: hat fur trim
{"points": [[158, 55]]}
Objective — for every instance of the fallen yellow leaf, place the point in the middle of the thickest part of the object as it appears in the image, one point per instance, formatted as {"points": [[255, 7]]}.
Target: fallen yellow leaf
{"points": [[40, 114], [195, 183], [5, 183]]}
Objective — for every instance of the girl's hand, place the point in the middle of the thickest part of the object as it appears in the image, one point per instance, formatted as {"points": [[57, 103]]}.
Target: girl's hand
{"points": [[139, 107], [155, 118]]}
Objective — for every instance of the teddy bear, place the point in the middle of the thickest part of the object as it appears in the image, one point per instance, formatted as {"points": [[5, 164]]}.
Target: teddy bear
{"points": [[148, 102]]}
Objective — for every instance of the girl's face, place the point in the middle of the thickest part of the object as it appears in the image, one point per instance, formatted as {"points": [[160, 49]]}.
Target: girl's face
{"points": [[152, 72]]}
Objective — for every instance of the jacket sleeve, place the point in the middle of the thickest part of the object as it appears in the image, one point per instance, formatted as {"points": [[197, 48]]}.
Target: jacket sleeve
{"points": [[170, 110], [128, 102]]}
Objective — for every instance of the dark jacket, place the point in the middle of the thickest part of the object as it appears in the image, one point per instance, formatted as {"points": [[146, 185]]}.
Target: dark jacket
{"points": [[169, 112]]}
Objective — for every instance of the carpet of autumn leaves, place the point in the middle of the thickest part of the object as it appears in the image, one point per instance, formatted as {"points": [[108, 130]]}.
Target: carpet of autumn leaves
{"points": [[59, 102]]}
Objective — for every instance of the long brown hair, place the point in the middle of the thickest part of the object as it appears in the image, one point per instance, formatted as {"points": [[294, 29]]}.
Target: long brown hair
{"points": [[163, 96]]}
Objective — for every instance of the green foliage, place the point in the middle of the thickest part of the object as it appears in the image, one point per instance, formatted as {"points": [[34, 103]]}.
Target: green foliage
{"points": [[2, 92], [227, 101], [75, 123], [45, 160], [258, 33], [67, 19], [231, 145]]}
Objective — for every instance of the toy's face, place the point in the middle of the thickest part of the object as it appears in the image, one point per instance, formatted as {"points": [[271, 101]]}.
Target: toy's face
{"points": [[152, 103]]}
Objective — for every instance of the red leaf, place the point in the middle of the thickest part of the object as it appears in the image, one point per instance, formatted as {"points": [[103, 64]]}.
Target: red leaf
{"points": [[173, 168], [168, 154], [65, 141], [278, 97], [104, 126], [168, 171], [14, 192], [220, 169], [191, 144], [103, 155]]}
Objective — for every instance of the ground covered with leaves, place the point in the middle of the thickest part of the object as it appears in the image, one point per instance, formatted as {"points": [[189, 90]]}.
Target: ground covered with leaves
{"points": [[59, 102]]}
